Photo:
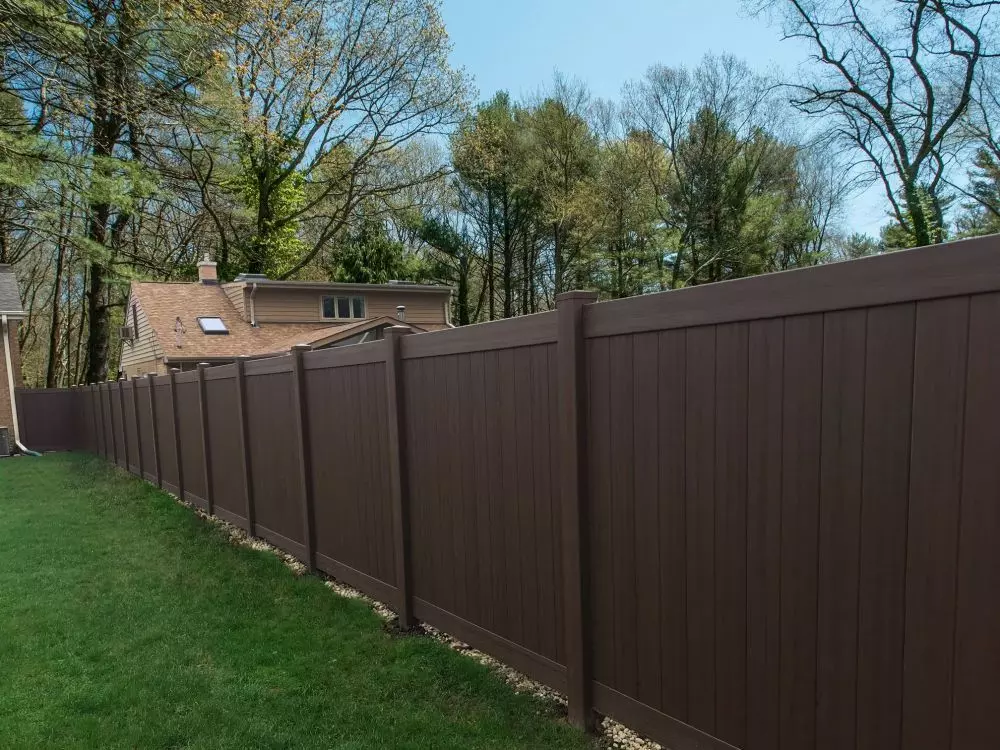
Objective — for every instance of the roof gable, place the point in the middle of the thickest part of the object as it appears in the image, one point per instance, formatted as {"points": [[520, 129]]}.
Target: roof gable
{"points": [[10, 295]]}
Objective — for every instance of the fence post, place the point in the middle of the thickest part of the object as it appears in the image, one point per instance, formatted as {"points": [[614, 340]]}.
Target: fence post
{"points": [[121, 405], [397, 472], [172, 373], [572, 452], [241, 410], [138, 427], [305, 473], [151, 378], [206, 448]]}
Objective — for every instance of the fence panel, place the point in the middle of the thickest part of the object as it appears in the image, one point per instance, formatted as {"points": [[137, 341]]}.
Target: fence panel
{"points": [[348, 438], [48, 420], [110, 436], [273, 454], [192, 451], [228, 486], [87, 425], [144, 416], [486, 540], [165, 434], [131, 426]]}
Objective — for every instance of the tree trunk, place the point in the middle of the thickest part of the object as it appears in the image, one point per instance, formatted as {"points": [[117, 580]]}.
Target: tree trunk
{"points": [[557, 260], [491, 256], [463, 291], [55, 323], [918, 219], [508, 259]]}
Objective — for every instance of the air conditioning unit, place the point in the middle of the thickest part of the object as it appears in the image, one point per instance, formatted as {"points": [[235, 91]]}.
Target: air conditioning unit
{"points": [[4, 441], [126, 333]]}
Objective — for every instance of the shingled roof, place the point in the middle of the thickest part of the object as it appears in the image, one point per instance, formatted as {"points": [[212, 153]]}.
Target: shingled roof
{"points": [[164, 302], [10, 297]]}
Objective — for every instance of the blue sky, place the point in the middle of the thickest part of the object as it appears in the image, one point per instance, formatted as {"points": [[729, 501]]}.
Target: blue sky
{"points": [[517, 45]]}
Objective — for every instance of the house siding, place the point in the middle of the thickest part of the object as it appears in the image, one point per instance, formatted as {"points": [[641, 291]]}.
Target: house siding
{"points": [[303, 305], [142, 355], [238, 297]]}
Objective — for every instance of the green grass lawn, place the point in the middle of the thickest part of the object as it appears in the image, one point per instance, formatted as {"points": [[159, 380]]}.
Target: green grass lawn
{"points": [[126, 621]]}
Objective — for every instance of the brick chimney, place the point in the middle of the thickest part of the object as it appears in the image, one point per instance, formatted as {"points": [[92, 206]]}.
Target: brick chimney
{"points": [[207, 271]]}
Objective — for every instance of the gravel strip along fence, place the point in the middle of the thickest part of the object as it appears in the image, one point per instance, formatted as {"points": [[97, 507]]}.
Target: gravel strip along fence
{"points": [[611, 734]]}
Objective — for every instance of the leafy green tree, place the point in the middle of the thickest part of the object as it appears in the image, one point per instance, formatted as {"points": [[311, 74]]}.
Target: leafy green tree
{"points": [[323, 93], [981, 213], [489, 155], [369, 256], [452, 261], [562, 162], [893, 81]]}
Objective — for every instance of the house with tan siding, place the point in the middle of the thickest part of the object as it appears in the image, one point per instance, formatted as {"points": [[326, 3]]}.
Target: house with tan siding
{"points": [[179, 324]]}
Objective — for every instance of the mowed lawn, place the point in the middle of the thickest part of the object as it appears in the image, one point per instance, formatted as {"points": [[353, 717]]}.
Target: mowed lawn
{"points": [[126, 621]]}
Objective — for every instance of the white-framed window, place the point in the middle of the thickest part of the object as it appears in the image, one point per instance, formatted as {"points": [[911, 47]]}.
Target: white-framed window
{"points": [[212, 326], [342, 307]]}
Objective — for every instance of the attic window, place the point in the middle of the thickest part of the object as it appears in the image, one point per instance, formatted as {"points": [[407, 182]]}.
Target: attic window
{"points": [[343, 308], [212, 326]]}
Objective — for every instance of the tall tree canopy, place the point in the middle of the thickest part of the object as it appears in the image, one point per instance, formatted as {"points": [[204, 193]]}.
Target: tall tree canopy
{"points": [[333, 139]]}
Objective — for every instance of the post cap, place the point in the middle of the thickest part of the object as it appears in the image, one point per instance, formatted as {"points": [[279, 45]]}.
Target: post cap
{"points": [[397, 331], [576, 295]]}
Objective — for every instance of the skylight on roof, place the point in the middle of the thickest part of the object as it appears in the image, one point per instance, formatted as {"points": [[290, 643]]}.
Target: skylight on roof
{"points": [[213, 326]]}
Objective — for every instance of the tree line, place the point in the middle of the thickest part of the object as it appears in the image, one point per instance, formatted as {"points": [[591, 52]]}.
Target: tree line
{"points": [[333, 139]]}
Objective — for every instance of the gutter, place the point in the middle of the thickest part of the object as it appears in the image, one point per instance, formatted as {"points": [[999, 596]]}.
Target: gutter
{"points": [[5, 332], [339, 286]]}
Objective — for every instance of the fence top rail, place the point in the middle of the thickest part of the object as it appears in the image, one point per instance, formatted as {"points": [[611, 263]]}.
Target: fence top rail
{"points": [[220, 372], [269, 366], [345, 356], [191, 376], [527, 330], [141, 382], [32, 391], [957, 268]]}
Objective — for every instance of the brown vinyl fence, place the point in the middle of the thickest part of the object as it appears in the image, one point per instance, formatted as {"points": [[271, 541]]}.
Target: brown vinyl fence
{"points": [[759, 514]]}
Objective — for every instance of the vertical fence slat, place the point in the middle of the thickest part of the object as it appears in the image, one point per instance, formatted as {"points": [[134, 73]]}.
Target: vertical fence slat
{"points": [[396, 433], [572, 452], [138, 427], [151, 378], [95, 418], [175, 417], [205, 445], [111, 420], [241, 410], [302, 433], [124, 426]]}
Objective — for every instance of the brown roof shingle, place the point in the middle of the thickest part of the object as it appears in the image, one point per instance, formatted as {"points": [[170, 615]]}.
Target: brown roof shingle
{"points": [[164, 302]]}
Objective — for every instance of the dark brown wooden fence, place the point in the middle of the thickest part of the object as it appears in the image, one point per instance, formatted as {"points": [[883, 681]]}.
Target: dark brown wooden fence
{"points": [[759, 514]]}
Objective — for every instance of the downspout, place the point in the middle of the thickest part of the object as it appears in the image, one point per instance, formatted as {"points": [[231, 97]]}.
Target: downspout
{"points": [[253, 309], [4, 331]]}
